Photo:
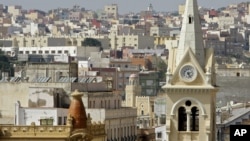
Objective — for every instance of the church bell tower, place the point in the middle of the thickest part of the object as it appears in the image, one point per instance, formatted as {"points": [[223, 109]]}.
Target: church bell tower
{"points": [[190, 87]]}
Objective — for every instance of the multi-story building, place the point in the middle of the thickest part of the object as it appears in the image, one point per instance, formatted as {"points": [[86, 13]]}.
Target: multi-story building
{"points": [[151, 115], [120, 122], [232, 114], [45, 41], [77, 124], [136, 41], [75, 16], [181, 9], [66, 51], [159, 31], [149, 82], [1, 10], [14, 10], [34, 15], [225, 21], [214, 41], [111, 11], [118, 73]]}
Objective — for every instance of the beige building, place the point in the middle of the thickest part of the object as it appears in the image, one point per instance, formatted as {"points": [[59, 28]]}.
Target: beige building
{"points": [[120, 122], [33, 15], [111, 11], [144, 104], [136, 41], [78, 127], [181, 9], [46, 41], [15, 10], [190, 88]]}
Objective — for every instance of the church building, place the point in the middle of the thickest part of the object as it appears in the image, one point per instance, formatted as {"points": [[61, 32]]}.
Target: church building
{"points": [[190, 87]]}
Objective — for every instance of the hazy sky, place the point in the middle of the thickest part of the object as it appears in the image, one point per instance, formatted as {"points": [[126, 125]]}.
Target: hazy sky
{"points": [[124, 6]]}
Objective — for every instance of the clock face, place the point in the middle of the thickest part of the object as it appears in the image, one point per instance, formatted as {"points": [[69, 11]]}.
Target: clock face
{"points": [[188, 73]]}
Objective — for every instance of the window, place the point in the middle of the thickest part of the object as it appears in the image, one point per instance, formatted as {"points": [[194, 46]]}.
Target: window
{"points": [[66, 52], [190, 19], [53, 51], [59, 51], [64, 120], [182, 118], [237, 74], [48, 121], [59, 121], [27, 52], [20, 52], [46, 51], [33, 52], [194, 123], [40, 52], [159, 135]]}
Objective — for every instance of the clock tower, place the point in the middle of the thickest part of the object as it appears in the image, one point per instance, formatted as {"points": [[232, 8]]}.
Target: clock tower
{"points": [[190, 87]]}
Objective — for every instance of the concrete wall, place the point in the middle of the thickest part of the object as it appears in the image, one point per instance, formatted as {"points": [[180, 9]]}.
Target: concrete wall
{"points": [[53, 70], [56, 42], [26, 116], [13, 92]]}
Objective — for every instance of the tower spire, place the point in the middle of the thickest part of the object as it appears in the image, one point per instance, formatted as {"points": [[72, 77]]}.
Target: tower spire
{"points": [[191, 34]]}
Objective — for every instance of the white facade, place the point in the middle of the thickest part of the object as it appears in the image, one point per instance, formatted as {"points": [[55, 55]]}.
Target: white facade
{"points": [[225, 22], [34, 29], [25, 116], [210, 20], [68, 50], [160, 133], [72, 51]]}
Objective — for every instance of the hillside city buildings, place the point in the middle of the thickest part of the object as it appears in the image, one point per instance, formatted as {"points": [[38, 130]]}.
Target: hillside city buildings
{"points": [[77, 74]]}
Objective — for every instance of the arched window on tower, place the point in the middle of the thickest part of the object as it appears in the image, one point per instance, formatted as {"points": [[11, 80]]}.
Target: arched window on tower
{"points": [[142, 112], [194, 123], [182, 119]]}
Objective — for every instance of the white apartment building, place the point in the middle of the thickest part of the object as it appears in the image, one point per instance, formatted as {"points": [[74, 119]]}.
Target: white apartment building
{"points": [[40, 115], [225, 22], [72, 51]]}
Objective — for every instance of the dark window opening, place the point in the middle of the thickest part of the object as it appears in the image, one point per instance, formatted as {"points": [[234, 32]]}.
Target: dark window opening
{"points": [[46, 121], [194, 119], [142, 112], [188, 103], [182, 119], [190, 19], [237, 74]]}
